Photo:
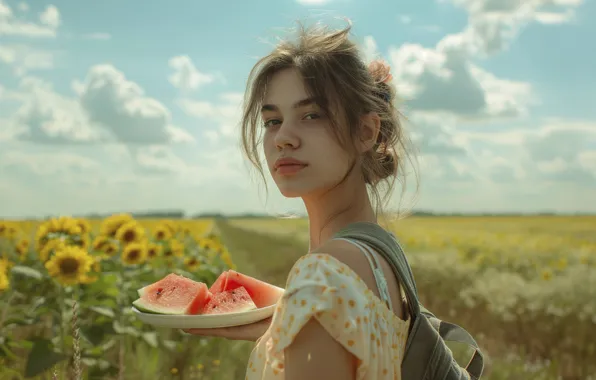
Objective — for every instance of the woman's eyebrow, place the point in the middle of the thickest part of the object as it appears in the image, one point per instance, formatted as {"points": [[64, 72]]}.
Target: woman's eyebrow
{"points": [[301, 103]]}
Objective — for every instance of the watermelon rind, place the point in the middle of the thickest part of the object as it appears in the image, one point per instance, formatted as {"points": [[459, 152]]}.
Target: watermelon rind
{"points": [[142, 306]]}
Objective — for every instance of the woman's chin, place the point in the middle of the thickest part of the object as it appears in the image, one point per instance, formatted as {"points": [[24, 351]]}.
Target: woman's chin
{"points": [[292, 191]]}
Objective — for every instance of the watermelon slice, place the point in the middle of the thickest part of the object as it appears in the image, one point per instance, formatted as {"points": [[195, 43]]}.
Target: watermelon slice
{"points": [[230, 301], [173, 295], [261, 293]]}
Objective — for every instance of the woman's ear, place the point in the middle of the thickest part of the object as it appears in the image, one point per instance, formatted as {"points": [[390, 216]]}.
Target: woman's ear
{"points": [[370, 127]]}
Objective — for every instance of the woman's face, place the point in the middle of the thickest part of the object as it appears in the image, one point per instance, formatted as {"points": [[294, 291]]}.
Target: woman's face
{"points": [[297, 129]]}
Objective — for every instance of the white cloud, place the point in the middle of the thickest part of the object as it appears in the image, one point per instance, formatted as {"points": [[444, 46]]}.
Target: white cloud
{"points": [[97, 36], [13, 25], [444, 80], [186, 77], [50, 17], [24, 59], [109, 108], [493, 24], [225, 113], [313, 2], [558, 151], [48, 164]]}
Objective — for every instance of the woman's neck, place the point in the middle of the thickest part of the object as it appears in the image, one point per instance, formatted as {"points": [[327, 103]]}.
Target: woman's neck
{"points": [[330, 212]]}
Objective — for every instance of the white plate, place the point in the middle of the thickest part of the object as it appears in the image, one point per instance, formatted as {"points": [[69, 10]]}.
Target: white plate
{"points": [[205, 321]]}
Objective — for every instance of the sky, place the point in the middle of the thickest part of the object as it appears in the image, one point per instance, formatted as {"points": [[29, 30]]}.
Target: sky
{"points": [[133, 105]]}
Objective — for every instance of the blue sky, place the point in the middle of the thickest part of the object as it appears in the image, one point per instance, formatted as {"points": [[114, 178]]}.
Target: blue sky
{"points": [[111, 106]]}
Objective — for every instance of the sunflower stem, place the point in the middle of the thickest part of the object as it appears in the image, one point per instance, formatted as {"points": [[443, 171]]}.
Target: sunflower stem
{"points": [[75, 337], [61, 300]]}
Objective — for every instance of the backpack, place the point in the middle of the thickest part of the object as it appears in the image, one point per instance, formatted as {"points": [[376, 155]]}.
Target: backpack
{"points": [[426, 356]]}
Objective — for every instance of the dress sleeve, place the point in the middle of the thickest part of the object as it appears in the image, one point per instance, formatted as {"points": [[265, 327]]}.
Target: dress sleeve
{"points": [[320, 286]]}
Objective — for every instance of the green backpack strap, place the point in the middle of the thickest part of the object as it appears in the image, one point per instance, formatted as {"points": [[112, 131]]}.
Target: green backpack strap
{"points": [[387, 244], [379, 239]]}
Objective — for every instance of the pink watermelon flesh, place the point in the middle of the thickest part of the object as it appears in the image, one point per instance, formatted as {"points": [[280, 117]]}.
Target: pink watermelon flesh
{"points": [[173, 295], [230, 301], [261, 293]]}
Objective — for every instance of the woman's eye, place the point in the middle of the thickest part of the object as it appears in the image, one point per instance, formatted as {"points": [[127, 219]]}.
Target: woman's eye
{"points": [[270, 122], [311, 116]]}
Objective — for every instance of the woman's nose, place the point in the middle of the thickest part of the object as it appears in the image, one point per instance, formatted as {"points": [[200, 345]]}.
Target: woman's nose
{"points": [[286, 137]]}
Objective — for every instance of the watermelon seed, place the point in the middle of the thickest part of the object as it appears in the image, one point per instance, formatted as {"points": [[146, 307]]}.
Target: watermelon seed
{"points": [[159, 291]]}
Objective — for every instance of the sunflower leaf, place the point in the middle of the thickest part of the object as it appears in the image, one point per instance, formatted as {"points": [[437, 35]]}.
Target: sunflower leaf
{"points": [[41, 358], [151, 338], [28, 272], [103, 311]]}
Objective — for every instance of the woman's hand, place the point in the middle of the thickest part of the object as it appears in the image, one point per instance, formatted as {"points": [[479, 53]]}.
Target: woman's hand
{"points": [[250, 332]]}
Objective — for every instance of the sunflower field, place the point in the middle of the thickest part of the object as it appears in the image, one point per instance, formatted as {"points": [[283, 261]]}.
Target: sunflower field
{"points": [[66, 289], [524, 286]]}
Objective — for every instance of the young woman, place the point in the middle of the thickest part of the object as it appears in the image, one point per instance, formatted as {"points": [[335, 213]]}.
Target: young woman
{"points": [[331, 135]]}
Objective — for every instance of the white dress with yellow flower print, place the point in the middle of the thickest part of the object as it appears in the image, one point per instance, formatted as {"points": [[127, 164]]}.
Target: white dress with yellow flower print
{"points": [[320, 286]]}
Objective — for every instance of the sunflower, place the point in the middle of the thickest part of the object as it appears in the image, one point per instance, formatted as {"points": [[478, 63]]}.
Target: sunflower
{"points": [[84, 225], [95, 269], [134, 253], [82, 241], [5, 264], [177, 248], [171, 226], [162, 233], [3, 228], [112, 224], [41, 237], [227, 259], [22, 247], [10, 232], [70, 265], [65, 225], [192, 263], [50, 247], [130, 232], [110, 249], [100, 242], [4, 282], [153, 251]]}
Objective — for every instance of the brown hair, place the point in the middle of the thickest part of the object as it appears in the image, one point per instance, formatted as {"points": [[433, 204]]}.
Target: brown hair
{"points": [[331, 64]]}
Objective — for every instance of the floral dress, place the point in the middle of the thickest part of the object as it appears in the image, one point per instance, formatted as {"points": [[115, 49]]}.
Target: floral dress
{"points": [[320, 286]]}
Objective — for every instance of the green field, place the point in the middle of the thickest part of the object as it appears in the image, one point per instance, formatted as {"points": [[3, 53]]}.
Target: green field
{"points": [[524, 286]]}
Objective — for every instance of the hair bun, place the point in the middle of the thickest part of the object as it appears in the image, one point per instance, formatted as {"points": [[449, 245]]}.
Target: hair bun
{"points": [[388, 164]]}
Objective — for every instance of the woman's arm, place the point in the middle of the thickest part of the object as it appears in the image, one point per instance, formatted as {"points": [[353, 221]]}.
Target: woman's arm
{"points": [[315, 355]]}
